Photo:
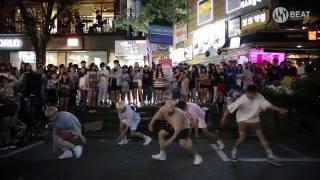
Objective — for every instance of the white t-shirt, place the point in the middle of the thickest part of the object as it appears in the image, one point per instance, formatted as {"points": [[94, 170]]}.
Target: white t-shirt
{"points": [[249, 110], [83, 82], [103, 74]]}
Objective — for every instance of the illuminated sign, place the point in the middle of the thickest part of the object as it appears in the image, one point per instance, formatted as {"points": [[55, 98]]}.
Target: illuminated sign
{"points": [[125, 48], [254, 19], [73, 42], [204, 11], [234, 5], [313, 35], [235, 42], [10, 43]]}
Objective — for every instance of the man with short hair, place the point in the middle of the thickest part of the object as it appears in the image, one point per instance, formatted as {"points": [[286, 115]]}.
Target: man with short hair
{"points": [[176, 128], [66, 128], [248, 108]]}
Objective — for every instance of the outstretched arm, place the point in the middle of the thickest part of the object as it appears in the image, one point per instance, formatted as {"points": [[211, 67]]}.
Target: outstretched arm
{"points": [[278, 109], [224, 117]]}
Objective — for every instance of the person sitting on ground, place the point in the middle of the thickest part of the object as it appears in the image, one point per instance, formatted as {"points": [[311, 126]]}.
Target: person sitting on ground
{"points": [[66, 128], [129, 121]]}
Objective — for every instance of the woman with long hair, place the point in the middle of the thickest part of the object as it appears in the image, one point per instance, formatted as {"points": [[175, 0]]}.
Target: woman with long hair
{"points": [[125, 85], [214, 76], [115, 82], [158, 84], [205, 83], [137, 84], [194, 77], [92, 84], [64, 92]]}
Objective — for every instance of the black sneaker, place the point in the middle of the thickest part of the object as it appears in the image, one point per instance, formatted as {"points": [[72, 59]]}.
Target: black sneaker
{"points": [[274, 162]]}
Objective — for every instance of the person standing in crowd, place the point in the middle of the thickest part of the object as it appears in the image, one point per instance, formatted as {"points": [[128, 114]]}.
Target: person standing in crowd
{"points": [[176, 127], [239, 81], [176, 84], [74, 79], [115, 82], [125, 88], [137, 84], [9, 111], [196, 117], [248, 108], [65, 86], [185, 91], [301, 69], [213, 76], [205, 83], [103, 76], [66, 128], [158, 84], [230, 73], [274, 72], [83, 88], [92, 84], [129, 121], [22, 69], [52, 89], [84, 65], [194, 77], [147, 85], [247, 75]]}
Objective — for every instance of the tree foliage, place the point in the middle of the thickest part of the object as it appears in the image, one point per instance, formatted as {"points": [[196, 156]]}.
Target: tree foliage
{"points": [[172, 11], [38, 20]]}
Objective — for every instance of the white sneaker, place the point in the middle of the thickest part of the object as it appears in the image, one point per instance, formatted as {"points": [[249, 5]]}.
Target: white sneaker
{"points": [[123, 141], [66, 154], [220, 144], [162, 156], [147, 141], [234, 157], [78, 151], [197, 159]]}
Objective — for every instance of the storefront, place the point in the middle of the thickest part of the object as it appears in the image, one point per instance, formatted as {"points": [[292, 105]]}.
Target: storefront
{"points": [[130, 51], [60, 49]]}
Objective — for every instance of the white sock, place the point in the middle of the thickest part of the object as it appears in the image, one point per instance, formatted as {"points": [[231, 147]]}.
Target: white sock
{"points": [[162, 152], [234, 150], [269, 153]]}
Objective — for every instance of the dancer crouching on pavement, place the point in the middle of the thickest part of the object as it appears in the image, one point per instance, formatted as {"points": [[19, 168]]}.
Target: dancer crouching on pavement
{"points": [[196, 116], [129, 121], [66, 128], [177, 128], [249, 107]]}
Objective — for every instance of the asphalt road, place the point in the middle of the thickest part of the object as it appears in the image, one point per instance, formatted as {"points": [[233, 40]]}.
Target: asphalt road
{"points": [[103, 160]]}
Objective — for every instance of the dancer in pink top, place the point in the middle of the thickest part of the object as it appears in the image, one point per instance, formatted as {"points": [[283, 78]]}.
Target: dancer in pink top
{"points": [[196, 117]]}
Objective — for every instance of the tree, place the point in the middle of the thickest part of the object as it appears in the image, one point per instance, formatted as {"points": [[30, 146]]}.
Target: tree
{"points": [[172, 11], [38, 24]]}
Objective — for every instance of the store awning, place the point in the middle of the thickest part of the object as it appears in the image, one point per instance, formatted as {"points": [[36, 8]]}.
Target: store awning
{"points": [[278, 40]]}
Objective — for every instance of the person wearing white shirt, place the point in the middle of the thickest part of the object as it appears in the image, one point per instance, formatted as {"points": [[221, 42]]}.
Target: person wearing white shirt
{"points": [[103, 75], [248, 108]]}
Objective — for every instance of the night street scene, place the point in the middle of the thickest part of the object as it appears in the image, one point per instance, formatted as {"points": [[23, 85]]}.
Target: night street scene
{"points": [[159, 90]]}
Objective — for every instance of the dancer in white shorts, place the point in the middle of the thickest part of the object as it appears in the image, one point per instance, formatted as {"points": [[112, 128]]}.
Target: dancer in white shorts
{"points": [[129, 121], [249, 107], [196, 116]]}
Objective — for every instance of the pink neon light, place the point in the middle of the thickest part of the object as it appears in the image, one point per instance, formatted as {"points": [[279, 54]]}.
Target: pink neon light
{"points": [[258, 56]]}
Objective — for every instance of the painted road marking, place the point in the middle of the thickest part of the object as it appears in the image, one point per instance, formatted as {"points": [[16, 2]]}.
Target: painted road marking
{"points": [[225, 158], [22, 149]]}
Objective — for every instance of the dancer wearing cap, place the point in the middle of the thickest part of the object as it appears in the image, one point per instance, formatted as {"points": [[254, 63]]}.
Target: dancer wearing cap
{"points": [[177, 128], [248, 108], [129, 121], [196, 116], [66, 128]]}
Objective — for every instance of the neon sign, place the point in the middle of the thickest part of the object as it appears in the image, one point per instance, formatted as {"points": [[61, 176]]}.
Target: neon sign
{"points": [[10, 43]]}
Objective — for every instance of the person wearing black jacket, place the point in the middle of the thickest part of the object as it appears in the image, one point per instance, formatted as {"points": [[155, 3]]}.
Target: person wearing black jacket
{"points": [[147, 81]]}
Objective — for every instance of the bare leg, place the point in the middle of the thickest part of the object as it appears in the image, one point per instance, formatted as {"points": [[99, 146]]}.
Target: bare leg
{"points": [[212, 136], [137, 134], [162, 135], [63, 144], [241, 138], [187, 145]]}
